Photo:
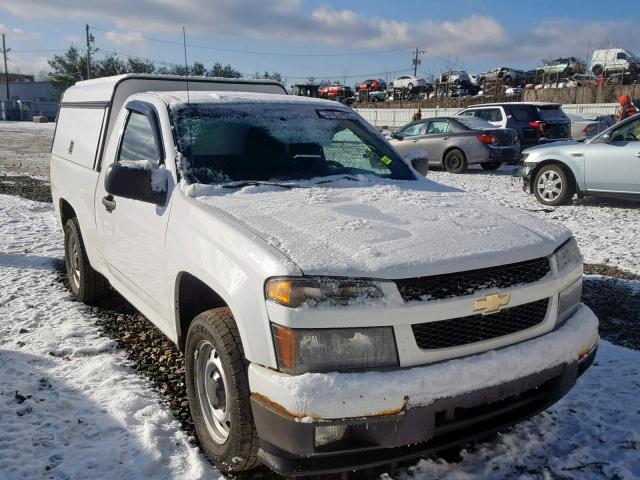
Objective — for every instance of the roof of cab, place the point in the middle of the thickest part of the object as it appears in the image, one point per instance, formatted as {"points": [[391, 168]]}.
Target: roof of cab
{"points": [[102, 89], [235, 97]]}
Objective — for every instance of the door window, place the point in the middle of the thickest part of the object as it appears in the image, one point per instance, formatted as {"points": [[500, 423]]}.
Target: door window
{"points": [[439, 126], [468, 113], [413, 130], [627, 133], [621, 56], [139, 141]]}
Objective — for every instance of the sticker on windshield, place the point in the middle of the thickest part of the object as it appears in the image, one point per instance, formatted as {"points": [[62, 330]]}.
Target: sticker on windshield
{"points": [[336, 114], [386, 160]]}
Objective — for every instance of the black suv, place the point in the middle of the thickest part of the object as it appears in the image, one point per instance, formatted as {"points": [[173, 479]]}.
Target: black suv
{"points": [[535, 122]]}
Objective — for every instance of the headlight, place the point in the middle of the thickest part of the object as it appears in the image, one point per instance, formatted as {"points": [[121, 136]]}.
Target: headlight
{"points": [[568, 301], [313, 291], [314, 350], [568, 254]]}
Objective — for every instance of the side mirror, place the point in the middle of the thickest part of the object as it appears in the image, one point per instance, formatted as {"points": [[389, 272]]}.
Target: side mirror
{"points": [[418, 160], [137, 181]]}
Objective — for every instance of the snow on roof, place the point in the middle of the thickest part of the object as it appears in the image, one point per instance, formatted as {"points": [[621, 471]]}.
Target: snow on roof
{"points": [[537, 104], [217, 96]]}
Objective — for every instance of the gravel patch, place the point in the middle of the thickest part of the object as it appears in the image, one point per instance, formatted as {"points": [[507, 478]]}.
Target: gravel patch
{"points": [[26, 187]]}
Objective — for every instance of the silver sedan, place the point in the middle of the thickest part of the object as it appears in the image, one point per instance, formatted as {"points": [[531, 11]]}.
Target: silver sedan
{"points": [[457, 142]]}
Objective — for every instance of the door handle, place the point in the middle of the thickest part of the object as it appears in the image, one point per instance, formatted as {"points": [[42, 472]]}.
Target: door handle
{"points": [[109, 203]]}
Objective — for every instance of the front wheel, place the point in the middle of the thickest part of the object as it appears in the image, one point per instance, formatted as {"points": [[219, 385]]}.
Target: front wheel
{"points": [[552, 186], [491, 166], [218, 391], [455, 161], [86, 285]]}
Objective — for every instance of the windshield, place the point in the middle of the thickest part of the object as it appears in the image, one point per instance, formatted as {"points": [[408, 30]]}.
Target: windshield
{"points": [[278, 142], [475, 123]]}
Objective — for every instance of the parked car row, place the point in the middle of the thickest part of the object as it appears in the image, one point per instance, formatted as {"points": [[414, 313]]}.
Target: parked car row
{"points": [[618, 65]]}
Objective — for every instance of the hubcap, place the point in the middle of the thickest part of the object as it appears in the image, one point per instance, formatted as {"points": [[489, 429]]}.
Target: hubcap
{"points": [[454, 161], [211, 387], [549, 185], [73, 261]]}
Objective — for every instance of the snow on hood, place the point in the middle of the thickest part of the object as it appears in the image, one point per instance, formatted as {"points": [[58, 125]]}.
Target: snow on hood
{"points": [[386, 229]]}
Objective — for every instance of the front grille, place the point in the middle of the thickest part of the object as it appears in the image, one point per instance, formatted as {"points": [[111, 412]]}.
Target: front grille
{"points": [[437, 287], [477, 328]]}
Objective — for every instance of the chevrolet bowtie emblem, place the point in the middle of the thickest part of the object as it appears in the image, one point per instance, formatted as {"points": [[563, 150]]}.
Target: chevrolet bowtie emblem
{"points": [[491, 303]]}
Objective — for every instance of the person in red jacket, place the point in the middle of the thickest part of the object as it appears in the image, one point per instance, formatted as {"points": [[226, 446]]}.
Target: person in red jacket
{"points": [[627, 108]]}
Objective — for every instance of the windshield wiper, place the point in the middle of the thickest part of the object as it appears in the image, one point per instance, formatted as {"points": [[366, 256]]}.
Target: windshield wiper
{"points": [[335, 178], [256, 183]]}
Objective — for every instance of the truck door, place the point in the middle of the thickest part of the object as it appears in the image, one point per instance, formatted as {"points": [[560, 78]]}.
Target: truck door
{"points": [[133, 231]]}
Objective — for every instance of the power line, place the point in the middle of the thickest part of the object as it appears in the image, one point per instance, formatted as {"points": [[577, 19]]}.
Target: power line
{"points": [[295, 77], [255, 52]]}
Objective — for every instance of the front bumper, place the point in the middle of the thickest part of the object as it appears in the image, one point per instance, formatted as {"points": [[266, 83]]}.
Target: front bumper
{"points": [[464, 403]]}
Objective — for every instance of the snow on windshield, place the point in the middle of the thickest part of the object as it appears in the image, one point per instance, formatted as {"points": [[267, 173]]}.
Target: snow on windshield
{"points": [[267, 142]]}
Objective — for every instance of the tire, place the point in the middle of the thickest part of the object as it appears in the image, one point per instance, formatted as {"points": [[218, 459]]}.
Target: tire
{"points": [[410, 86], [552, 186], [455, 161], [491, 166], [86, 285], [213, 350], [597, 70]]}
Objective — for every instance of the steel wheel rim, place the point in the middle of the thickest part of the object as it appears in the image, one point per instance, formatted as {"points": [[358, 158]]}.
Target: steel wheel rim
{"points": [[211, 391], [549, 185], [455, 161], [73, 261]]}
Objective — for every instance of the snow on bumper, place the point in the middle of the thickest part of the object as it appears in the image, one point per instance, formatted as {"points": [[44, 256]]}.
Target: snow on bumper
{"points": [[336, 395]]}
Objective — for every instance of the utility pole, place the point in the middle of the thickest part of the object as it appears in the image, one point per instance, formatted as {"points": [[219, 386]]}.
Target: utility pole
{"points": [[6, 72], [89, 40], [416, 60]]}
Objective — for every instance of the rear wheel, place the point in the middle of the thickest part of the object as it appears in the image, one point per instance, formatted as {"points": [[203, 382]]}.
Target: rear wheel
{"points": [[218, 390], [597, 70], [552, 186], [455, 161], [86, 285], [491, 166]]}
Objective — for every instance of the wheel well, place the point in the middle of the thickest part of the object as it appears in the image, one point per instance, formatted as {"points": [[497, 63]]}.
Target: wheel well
{"points": [[446, 152], [66, 211], [566, 170], [192, 298]]}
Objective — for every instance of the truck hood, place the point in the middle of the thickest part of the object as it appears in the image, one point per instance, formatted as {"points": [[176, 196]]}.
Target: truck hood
{"points": [[386, 229]]}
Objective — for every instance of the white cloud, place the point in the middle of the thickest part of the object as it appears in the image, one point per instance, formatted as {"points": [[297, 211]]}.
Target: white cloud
{"points": [[17, 34], [126, 39], [477, 38]]}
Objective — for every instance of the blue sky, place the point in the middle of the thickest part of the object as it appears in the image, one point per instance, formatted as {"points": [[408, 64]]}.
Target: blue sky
{"points": [[302, 38]]}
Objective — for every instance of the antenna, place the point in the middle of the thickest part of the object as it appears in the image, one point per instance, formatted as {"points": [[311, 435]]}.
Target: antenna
{"points": [[186, 65]]}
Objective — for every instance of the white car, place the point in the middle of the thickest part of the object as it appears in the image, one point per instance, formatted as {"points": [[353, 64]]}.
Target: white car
{"points": [[336, 309], [409, 82]]}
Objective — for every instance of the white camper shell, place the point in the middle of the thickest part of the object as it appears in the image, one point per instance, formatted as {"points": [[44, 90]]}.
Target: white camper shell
{"points": [[85, 119]]}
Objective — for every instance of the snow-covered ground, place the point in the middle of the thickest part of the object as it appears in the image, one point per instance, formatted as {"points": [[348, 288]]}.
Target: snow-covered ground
{"points": [[71, 407], [24, 148], [607, 230]]}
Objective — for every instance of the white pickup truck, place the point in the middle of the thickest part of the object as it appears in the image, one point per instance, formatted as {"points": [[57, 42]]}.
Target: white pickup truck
{"points": [[336, 309]]}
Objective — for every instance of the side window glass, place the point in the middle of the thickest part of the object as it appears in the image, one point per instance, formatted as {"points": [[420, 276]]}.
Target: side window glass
{"points": [[468, 113], [439, 126], [138, 141], [492, 115], [621, 56], [413, 130], [627, 133]]}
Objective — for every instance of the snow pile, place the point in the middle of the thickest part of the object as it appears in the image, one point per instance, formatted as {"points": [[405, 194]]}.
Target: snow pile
{"points": [[386, 229], [69, 405], [607, 230]]}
